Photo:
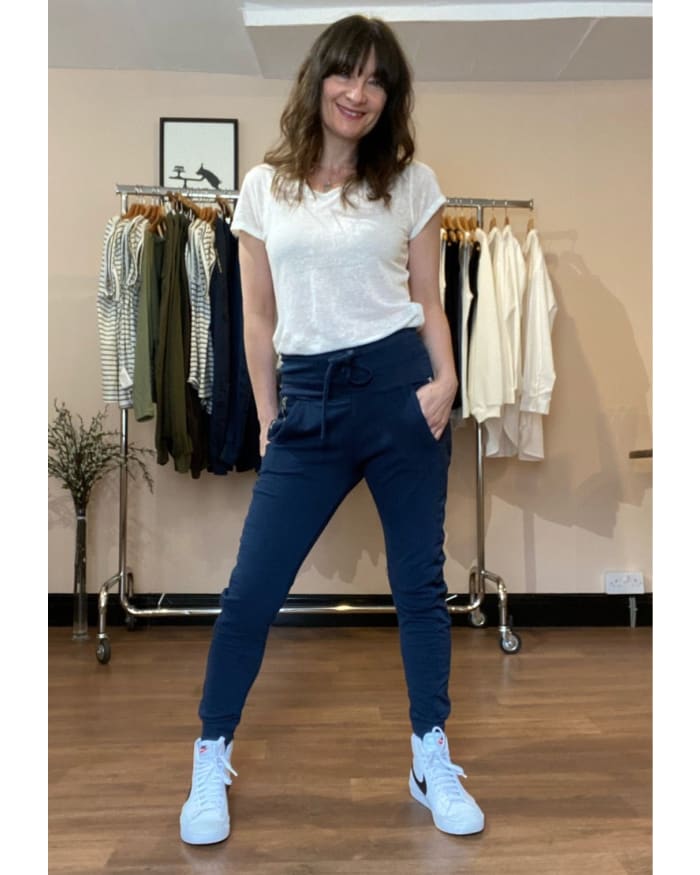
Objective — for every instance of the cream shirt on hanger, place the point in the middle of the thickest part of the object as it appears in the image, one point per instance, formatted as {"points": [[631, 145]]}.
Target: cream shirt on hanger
{"points": [[485, 372], [503, 434], [538, 360]]}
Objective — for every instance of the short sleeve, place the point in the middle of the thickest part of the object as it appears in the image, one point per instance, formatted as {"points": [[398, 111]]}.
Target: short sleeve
{"points": [[426, 197], [249, 214]]}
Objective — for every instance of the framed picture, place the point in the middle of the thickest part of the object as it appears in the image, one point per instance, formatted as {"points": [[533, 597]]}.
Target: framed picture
{"points": [[199, 153]]}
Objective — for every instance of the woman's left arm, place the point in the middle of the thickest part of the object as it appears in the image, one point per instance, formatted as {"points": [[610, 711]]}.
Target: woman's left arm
{"points": [[436, 397]]}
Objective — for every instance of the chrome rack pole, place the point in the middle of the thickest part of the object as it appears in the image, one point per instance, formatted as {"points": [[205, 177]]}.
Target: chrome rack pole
{"points": [[208, 194]]}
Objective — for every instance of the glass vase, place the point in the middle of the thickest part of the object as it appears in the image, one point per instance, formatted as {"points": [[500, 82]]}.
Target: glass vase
{"points": [[80, 612]]}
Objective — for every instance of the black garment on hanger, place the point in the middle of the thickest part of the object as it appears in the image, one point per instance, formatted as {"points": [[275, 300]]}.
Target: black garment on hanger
{"points": [[473, 284], [234, 431], [452, 305]]}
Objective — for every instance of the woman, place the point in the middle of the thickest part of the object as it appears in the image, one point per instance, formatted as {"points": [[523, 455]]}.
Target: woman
{"points": [[339, 253]]}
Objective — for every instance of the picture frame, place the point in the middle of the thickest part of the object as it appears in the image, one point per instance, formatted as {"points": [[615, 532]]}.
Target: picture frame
{"points": [[199, 153]]}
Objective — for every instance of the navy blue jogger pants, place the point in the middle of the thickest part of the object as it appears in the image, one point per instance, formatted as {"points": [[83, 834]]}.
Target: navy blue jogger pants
{"points": [[344, 416]]}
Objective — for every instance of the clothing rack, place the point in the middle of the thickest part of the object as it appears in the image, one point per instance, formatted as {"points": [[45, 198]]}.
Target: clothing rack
{"points": [[479, 575]]}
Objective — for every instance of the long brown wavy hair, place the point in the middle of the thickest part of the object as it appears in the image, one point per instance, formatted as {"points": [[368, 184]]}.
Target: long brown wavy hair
{"points": [[382, 153]]}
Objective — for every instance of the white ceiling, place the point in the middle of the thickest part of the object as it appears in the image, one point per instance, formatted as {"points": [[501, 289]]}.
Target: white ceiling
{"points": [[445, 40]]}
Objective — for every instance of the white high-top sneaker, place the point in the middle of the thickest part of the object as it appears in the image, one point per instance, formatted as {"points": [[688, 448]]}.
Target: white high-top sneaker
{"points": [[434, 782], [204, 818]]}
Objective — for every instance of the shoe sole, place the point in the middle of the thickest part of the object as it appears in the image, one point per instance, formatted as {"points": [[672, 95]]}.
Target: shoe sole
{"points": [[191, 838], [443, 825]]}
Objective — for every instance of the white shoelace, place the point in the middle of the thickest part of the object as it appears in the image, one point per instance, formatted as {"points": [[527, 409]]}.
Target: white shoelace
{"points": [[444, 779], [207, 786], [444, 774]]}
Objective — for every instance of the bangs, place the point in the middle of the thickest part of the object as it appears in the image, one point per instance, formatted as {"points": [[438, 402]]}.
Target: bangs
{"points": [[348, 51]]}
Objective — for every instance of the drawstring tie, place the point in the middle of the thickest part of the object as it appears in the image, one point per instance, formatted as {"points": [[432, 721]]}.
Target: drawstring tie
{"points": [[360, 377]]}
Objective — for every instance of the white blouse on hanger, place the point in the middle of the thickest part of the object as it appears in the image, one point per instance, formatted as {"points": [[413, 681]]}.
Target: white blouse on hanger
{"points": [[538, 360], [503, 434], [485, 371]]}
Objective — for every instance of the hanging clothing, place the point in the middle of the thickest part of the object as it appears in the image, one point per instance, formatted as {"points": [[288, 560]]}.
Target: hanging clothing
{"points": [[473, 273], [501, 337], [452, 305], [538, 360], [117, 307], [466, 300], [441, 278], [147, 327], [155, 323], [200, 256], [504, 303], [502, 433], [172, 437], [485, 369], [234, 431]]}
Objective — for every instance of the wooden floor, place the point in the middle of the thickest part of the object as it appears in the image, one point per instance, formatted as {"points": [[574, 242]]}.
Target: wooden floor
{"points": [[556, 741]]}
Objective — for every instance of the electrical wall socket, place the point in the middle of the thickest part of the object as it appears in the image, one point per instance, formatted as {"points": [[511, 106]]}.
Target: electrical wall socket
{"points": [[624, 583]]}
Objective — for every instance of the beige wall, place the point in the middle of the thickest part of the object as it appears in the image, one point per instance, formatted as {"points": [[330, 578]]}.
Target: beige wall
{"points": [[581, 150]]}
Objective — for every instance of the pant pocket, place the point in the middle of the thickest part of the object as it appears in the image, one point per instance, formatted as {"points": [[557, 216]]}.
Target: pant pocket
{"points": [[277, 425], [417, 410], [299, 419]]}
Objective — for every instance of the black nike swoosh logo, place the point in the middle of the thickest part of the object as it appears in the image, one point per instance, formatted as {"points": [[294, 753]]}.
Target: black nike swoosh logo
{"points": [[422, 785]]}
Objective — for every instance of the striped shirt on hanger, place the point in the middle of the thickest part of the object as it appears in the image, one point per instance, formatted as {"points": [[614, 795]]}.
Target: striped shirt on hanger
{"points": [[117, 306], [200, 257]]}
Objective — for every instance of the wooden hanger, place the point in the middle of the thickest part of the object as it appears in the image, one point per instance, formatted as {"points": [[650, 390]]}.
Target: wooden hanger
{"points": [[226, 210], [183, 203], [157, 221], [493, 223], [446, 225], [531, 224], [176, 202], [192, 207], [133, 210]]}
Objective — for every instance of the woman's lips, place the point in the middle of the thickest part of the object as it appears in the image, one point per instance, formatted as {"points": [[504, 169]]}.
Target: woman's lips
{"points": [[349, 113]]}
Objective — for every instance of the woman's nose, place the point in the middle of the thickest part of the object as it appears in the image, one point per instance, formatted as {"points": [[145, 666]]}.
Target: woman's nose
{"points": [[356, 91]]}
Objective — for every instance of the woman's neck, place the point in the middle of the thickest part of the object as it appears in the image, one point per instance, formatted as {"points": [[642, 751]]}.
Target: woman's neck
{"points": [[333, 168], [337, 162]]}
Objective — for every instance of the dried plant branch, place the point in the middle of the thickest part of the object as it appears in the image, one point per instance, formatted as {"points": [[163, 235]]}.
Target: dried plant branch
{"points": [[79, 457]]}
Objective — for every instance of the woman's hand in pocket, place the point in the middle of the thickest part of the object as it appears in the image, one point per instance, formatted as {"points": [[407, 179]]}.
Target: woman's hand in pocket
{"points": [[435, 399]]}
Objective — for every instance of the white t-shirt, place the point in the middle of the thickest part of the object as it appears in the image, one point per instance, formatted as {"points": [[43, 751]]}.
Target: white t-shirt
{"points": [[340, 274]]}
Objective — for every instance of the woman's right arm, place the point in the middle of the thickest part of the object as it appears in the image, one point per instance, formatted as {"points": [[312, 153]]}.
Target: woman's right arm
{"points": [[259, 319]]}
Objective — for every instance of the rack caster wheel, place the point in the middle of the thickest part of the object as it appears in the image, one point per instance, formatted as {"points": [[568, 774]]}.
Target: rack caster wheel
{"points": [[130, 622], [104, 651], [510, 642], [477, 618]]}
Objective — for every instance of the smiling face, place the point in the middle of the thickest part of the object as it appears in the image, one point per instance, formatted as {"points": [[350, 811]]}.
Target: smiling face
{"points": [[352, 101]]}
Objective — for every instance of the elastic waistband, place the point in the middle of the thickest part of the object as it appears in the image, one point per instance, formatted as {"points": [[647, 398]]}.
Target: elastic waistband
{"points": [[385, 364]]}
